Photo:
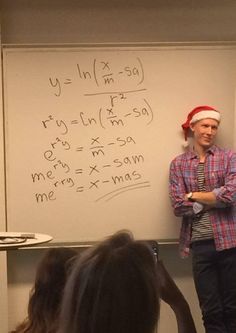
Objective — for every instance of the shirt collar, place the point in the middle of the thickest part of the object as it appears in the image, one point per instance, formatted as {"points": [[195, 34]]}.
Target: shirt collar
{"points": [[191, 154]]}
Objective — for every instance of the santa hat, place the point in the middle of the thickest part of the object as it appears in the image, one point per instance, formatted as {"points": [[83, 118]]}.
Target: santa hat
{"points": [[199, 113]]}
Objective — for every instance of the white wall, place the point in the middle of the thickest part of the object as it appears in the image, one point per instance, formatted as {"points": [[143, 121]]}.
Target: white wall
{"points": [[3, 258], [98, 21], [82, 21]]}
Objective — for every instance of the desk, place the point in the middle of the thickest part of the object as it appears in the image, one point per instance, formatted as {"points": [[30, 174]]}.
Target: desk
{"points": [[38, 239]]}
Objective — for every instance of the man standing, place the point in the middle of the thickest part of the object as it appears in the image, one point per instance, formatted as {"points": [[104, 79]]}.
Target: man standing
{"points": [[202, 188]]}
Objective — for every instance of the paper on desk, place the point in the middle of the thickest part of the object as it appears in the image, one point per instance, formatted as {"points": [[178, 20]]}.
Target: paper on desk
{"points": [[7, 234]]}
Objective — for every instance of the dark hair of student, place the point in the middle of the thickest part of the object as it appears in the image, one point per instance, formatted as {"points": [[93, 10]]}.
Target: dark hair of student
{"points": [[113, 288], [46, 294]]}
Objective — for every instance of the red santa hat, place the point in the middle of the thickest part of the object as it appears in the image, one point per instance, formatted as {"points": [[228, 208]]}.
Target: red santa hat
{"points": [[199, 113]]}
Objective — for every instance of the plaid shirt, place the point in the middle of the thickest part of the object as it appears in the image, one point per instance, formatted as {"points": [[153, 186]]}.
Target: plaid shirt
{"points": [[220, 175]]}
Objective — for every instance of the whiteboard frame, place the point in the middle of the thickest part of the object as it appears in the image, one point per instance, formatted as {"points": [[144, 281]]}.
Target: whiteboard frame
{"points": [[209, 45]]}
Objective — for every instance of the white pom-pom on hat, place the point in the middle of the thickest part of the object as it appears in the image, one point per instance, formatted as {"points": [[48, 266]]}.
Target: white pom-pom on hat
{"points": [[185, 144]]}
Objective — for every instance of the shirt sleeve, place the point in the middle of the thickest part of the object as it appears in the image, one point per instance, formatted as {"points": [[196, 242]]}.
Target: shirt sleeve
{"points": [[177, 192], [197, 207], [226, 194], [219, 204]]}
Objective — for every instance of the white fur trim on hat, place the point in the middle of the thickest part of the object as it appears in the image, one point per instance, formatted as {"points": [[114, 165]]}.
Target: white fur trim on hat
{"points": [[185, 144], [204, 114]]}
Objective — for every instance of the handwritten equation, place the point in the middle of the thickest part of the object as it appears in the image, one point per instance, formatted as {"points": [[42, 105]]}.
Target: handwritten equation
{"points": [[104, 165], [102, 73]]}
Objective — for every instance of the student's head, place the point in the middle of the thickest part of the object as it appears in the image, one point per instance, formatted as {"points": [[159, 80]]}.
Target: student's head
{"points": [[113, 288], [202, 122], [46, 294]]}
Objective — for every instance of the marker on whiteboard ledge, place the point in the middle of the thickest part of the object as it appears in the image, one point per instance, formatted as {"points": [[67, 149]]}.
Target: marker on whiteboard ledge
{"points": [[27, 235], [155, 248]]}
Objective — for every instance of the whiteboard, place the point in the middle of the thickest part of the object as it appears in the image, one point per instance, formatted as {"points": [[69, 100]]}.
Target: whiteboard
{"points": [[90, 133]]}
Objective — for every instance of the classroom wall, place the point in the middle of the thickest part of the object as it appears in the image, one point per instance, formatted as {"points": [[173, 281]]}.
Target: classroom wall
{"points": [[96, 21], [3, 257], [99, 21]]}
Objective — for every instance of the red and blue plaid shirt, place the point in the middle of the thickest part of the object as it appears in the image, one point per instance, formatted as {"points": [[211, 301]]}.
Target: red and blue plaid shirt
{"points": [[220, 175]]}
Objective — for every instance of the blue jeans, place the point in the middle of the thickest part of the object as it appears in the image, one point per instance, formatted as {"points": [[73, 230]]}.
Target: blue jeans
{"points": [[214, 275]]}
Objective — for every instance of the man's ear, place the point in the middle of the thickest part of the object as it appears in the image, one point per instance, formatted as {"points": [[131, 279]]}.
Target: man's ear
{"points": [[191, 126]]}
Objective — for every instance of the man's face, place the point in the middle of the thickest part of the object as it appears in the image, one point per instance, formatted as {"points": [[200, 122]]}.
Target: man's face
{"points": [[204, 132]]}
